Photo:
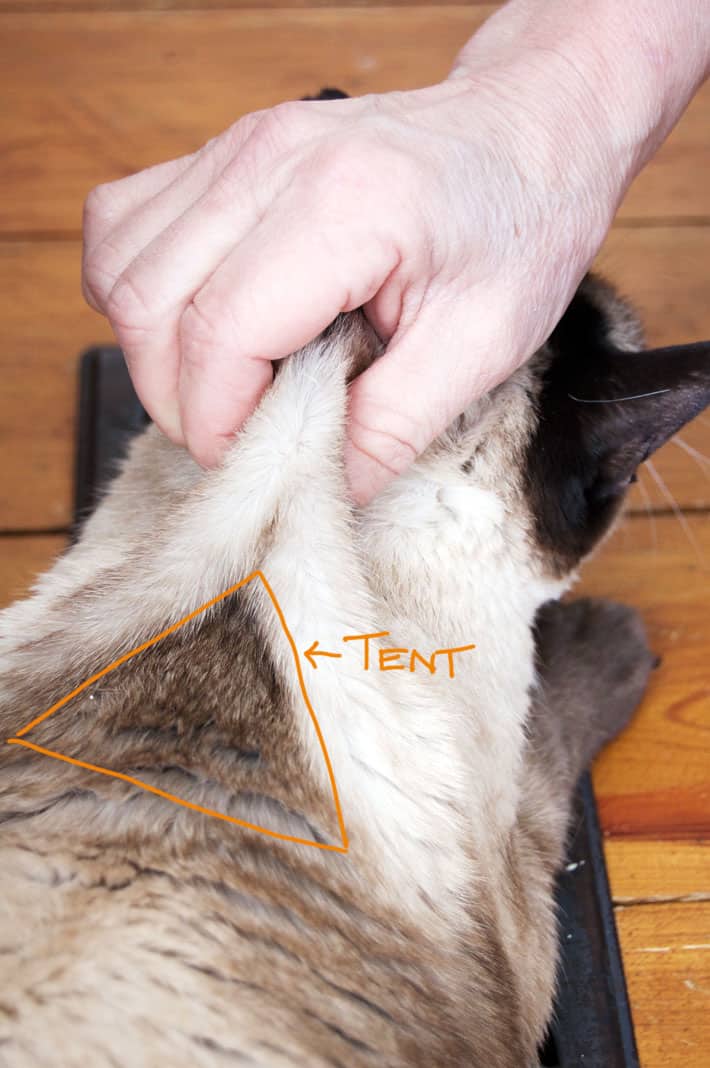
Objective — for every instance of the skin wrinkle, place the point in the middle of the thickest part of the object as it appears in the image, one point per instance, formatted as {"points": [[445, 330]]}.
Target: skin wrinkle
{"points": [[369, 431]]}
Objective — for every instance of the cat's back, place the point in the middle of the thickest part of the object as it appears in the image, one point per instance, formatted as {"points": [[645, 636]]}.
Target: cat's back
{"points": [[205, 942]]}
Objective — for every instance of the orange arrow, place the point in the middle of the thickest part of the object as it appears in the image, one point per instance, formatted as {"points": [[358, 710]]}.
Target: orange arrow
{"points": [[314, 651]]}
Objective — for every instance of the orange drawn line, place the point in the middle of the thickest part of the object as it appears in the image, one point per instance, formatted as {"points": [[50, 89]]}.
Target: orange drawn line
{"points": [[172, 797], [17, 740], [309, 706], [139, 649]]}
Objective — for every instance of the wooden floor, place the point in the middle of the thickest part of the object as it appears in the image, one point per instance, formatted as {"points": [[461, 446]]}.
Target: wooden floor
{"points": [[94, 89]]}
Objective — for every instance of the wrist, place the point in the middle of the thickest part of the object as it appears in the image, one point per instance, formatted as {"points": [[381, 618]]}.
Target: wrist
{"points": [[604, 82]]}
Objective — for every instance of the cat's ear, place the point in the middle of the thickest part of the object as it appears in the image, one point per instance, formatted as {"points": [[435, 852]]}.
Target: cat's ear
{"points": [[645, 398], [328, 94], [602, 412]]}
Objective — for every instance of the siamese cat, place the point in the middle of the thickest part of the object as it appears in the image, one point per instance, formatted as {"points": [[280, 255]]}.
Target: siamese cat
{"points": [[365, 876]]}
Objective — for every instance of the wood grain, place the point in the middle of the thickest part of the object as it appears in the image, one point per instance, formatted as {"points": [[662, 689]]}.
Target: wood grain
{"points": [[655, 870], [96, 96], [666, 950], [214, 5], [92, 96], [45, 324], [665, 272], [22, 558], [653, 782]]}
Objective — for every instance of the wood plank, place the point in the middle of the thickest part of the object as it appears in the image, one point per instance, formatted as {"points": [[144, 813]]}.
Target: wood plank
{"points": [[45, 324], [90, 97], [22, 558], [653, 782], [666, 951], [656, 870], [664, 271], [96, 96], [214, 5], [659, 844]]}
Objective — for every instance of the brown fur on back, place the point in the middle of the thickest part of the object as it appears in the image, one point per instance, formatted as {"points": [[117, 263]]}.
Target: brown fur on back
{"points": [[184, 903]]}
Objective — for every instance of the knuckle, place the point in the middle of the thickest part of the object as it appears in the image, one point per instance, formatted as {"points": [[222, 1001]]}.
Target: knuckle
{"points": [[101, 207], [239, 158], [267, 130], [282, 120], [231, 140], [100, 202], [281, 128], [127, 306]]}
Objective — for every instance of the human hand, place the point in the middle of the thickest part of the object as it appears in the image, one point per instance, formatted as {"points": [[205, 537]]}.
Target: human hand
{"points": [[462, 216]]}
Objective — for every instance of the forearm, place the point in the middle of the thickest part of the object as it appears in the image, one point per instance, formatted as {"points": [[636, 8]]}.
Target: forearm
{"points": [[616, 77]]}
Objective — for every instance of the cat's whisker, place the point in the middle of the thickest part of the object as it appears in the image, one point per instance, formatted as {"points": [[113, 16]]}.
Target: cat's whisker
{"points": [[677, 512], [649, 510], [617, 400], [701, 460]]}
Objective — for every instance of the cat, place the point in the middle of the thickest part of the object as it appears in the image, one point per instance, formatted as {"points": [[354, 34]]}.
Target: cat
{"points": [[137, 932]]}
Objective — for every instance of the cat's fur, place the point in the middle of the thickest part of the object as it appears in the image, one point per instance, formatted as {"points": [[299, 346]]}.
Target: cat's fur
{"points": [[137, 933]]}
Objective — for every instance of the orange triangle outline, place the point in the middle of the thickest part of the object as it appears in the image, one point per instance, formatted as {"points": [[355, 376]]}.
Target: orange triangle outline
{"points": [[17, 739]]}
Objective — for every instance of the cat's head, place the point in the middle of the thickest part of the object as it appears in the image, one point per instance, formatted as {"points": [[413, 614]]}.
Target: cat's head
{"points": [[604, 406], [547, 456]]}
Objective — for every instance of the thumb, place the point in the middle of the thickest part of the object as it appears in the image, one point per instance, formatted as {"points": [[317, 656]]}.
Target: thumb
{"points": [[429, 374]]}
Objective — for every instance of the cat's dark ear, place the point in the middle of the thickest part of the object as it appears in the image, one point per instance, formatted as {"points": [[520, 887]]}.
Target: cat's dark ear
{"points": [[602, 412], [328, 94]]}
